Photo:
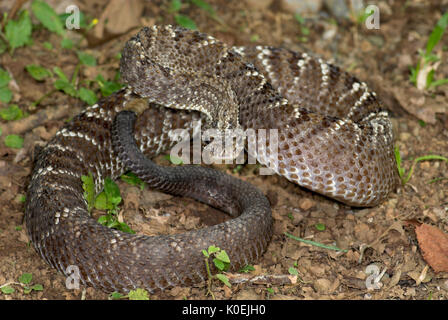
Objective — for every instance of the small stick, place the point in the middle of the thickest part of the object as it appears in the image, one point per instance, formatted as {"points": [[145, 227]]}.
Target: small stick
{"points": [[26, 124]]}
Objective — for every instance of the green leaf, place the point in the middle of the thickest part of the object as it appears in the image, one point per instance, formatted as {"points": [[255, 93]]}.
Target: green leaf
{"points": [[133, 180], [173, 159], [185, 22], [65, 86], [213, 249], [110, 87], [60, 74], [437, 33], [138, 294], [13, 112], [86, 59], [205, 253], [438, 83], [37, 287], [398, 160], [107, 87], [204, 6], [175, 5], [26, 278], [219, 264], [18, 32], [4, 77], [320, 226], [5, 95], [246, 269], [116, 295], [7, 289], [293, 271], [112, 192], [88, 185], [37, 72], [14, 141], [87, 96], [223, 279], [3, 46], [222, 255], [67, 43], [299, 18], [48, 17], [47, 45], [101, 202]]}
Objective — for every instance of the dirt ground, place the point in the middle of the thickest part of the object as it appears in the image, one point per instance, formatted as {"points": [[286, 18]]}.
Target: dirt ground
{"points": [[381, 235]]}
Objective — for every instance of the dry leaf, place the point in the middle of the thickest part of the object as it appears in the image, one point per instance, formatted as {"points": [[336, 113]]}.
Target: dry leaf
{"points": [[434, 246], [119, 17], [416, 103]]}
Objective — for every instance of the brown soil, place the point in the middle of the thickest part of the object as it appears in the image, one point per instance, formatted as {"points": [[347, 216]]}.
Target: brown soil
{"points": [[379, 235]]}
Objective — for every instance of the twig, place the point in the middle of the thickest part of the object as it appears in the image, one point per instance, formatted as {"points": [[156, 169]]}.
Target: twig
{"points": [[314, 243], [26, 124], [269, 279]]}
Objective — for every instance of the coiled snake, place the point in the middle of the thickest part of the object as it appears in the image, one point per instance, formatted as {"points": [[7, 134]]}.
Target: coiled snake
{"points": [[332, 136]]}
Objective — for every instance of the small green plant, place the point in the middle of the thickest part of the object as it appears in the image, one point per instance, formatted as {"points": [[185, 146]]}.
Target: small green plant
{"points": [[133, 180], [293, 271], [304, 30], [137, 294], [25, 282], [14, 141], [17, 33], [11, 113], [107, 200], [221, 261], [320, 226], [401, 171], [422, 75], [246, 269]]}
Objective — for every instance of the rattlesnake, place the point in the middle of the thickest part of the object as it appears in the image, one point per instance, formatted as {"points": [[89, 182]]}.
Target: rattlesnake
{"points": [[333, 138]]}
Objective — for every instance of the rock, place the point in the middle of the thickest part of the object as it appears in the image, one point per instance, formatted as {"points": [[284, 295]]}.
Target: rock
{"points": [[306, 204], [301, 6], [337, 8]]}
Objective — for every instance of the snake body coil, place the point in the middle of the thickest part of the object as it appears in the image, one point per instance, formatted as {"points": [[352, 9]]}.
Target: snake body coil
{"points": [[332, 135]]}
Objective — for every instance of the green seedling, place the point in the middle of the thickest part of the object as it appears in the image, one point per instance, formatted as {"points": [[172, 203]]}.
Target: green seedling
{"points": [[107, 200], [246, 269], [401, 171], [25, 282], [221, 261], [137, 294], [304, 30], [133, 180], [422, 75]]}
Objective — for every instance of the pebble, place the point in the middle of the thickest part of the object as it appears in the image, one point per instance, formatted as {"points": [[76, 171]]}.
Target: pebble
{"points": [[301, 6], [337, 8], [306, 204]]}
